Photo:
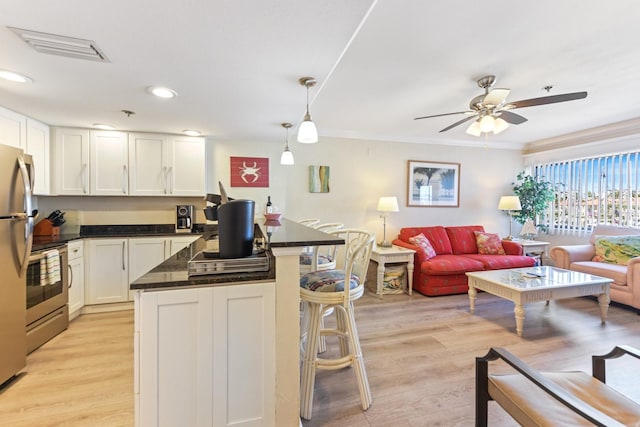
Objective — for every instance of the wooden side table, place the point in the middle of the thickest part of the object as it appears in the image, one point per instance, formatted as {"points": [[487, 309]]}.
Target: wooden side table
{"points": [[536, 248], [393, 255]]}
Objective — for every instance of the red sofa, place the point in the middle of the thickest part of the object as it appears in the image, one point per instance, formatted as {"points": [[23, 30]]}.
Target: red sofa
{"points": [[456, 253]]}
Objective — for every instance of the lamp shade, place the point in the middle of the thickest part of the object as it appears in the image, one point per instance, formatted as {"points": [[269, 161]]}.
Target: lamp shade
{"points": [[509, 203], [388, 204]]}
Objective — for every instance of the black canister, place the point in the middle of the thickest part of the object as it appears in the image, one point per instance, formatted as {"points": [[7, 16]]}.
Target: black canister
{"points": [[235, 228]]}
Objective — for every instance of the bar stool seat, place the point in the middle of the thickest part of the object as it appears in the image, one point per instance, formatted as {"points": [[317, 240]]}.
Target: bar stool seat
{"points": [[324, 290]]}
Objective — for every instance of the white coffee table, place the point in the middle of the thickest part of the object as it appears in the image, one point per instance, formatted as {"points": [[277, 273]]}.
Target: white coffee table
{"points": [[524, 285]]}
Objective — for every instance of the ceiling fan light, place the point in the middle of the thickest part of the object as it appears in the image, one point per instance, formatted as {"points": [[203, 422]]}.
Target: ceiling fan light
{"points": [[500, 126], [487, 123], [474, 129], [307, 133]]}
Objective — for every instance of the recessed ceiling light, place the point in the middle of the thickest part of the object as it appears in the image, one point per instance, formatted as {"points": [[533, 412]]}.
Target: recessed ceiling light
{"points": [[103, 126], [191, 132], [15, 77], [162, 92]]}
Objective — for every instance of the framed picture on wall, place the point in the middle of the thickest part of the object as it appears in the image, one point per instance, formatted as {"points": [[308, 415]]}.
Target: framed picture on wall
{"points": [[319, 179], [249, 171], [433, 184]]}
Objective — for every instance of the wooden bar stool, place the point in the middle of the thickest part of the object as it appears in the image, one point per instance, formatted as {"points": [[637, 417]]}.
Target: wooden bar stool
{"points": [[335, 289]]}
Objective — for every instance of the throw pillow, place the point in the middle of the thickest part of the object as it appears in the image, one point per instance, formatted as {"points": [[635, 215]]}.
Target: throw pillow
{"points": [[616, 249], [424, 244], [489, 243]]}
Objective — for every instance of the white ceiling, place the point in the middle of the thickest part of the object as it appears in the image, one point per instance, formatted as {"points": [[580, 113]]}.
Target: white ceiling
{"points": [[379, 64]]}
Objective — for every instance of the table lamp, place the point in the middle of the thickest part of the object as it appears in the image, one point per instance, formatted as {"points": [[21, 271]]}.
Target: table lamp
{"points": [[510, 204], [386, 204]]}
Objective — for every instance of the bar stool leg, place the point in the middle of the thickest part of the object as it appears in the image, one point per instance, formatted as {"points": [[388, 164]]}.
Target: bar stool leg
{"points": [[309, 362], [358, 362]]}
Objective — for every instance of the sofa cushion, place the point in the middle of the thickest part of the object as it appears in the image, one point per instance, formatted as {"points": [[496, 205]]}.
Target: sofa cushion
{"points": [[425, 246], [463, 238], [615, 272], [489, 243], [616, 249], [611, 230], [498, 262], [446, 265], [437, 237]]}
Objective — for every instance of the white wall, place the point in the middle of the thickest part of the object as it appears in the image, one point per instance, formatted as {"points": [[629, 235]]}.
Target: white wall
{"points": [[362, 171]]}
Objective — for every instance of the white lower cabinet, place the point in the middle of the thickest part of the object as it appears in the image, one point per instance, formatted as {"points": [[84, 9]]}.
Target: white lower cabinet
{"points": [[107, 271], [205, 356], [75, 250]]}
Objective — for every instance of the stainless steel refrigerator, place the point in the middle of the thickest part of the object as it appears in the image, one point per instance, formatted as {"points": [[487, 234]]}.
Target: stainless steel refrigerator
{"points": [[16, 236]]}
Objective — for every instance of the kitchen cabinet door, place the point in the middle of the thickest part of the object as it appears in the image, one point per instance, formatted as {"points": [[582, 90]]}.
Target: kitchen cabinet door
{"points": [[109, 166], [38, 146], [205, 356], [76, 278], [186, 166], [145, 253], [13, 128], [179, 243], [148, 164], [107, 271], [70, 161]]}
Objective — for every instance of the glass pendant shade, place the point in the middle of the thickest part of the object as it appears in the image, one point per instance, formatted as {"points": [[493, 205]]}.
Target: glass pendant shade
{"points": [[307, 133], [287, 157]]}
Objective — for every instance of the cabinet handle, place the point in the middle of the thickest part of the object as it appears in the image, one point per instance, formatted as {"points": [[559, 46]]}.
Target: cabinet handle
{"points": [[84, 178], [124, 179], [70, 276], [170, 179], [164, 178], [123, 268]]}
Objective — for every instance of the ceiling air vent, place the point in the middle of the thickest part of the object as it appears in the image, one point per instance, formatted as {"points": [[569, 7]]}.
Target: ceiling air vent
{"points": [[61, 45]]}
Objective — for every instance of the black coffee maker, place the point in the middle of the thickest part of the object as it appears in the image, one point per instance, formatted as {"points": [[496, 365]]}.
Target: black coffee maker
{"points": [[235, 225]]}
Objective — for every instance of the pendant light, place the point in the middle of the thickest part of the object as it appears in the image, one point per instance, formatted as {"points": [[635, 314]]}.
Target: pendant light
{"points": [[287, 156], [307, 132]]}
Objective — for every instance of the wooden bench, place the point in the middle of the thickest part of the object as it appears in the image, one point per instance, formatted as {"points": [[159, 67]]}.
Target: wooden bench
{"points": [[536, 398]]}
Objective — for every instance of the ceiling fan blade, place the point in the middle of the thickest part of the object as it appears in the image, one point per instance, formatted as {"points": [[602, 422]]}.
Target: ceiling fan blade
{"points": [[513, 118], [547, 100], [496, 97], [458, 123], [445, 114]]}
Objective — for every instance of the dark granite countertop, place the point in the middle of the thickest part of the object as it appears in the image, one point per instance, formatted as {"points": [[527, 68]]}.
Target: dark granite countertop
{"points": [[41, 243], [277, 234]]}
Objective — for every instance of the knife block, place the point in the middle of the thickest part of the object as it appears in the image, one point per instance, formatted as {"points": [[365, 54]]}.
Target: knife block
{"points": [[46, 228]]}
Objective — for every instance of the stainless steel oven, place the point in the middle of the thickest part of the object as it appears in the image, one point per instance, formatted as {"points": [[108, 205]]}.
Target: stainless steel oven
{"points": [[47, 303]]}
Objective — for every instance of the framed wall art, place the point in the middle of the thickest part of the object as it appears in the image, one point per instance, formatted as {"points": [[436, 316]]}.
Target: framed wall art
{"points": [[318, 179], [249, 171], [433, 184]]}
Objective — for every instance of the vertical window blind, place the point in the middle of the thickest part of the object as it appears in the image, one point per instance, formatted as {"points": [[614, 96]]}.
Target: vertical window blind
{"points": [[592, 191]]}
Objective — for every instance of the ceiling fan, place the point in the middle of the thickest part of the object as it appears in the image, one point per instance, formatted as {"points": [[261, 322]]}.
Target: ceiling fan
{"points": [[492, 113]]}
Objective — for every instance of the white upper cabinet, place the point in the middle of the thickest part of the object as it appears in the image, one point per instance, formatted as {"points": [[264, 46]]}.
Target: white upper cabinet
{"points": [[186, 170], [110, 163], [149, 165], [13, 128], [70, 148], [109, 170], [38, 146]]}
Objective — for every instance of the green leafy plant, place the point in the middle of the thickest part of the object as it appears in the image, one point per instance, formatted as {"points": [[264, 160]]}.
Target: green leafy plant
{"points": [[535, 194]]}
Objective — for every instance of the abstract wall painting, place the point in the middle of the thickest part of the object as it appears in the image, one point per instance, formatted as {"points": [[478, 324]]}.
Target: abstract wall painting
{"points": [[318, 179]]}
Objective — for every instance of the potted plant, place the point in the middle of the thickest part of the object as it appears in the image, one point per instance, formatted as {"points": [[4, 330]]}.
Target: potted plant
{"points": [[534, 193]]}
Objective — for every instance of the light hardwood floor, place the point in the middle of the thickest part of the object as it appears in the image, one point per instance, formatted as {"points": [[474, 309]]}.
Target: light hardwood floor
{"points": [[419, 353]]}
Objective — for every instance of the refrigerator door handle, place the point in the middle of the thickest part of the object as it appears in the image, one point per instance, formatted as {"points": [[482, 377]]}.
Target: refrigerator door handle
{"points": [[28, 211]]}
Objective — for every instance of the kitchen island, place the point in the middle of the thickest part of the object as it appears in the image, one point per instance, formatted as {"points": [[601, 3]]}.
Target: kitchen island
{"points": [[222, 349]]}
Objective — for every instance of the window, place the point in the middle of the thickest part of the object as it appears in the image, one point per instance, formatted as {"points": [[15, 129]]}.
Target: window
{"points": [[591, 191]]}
